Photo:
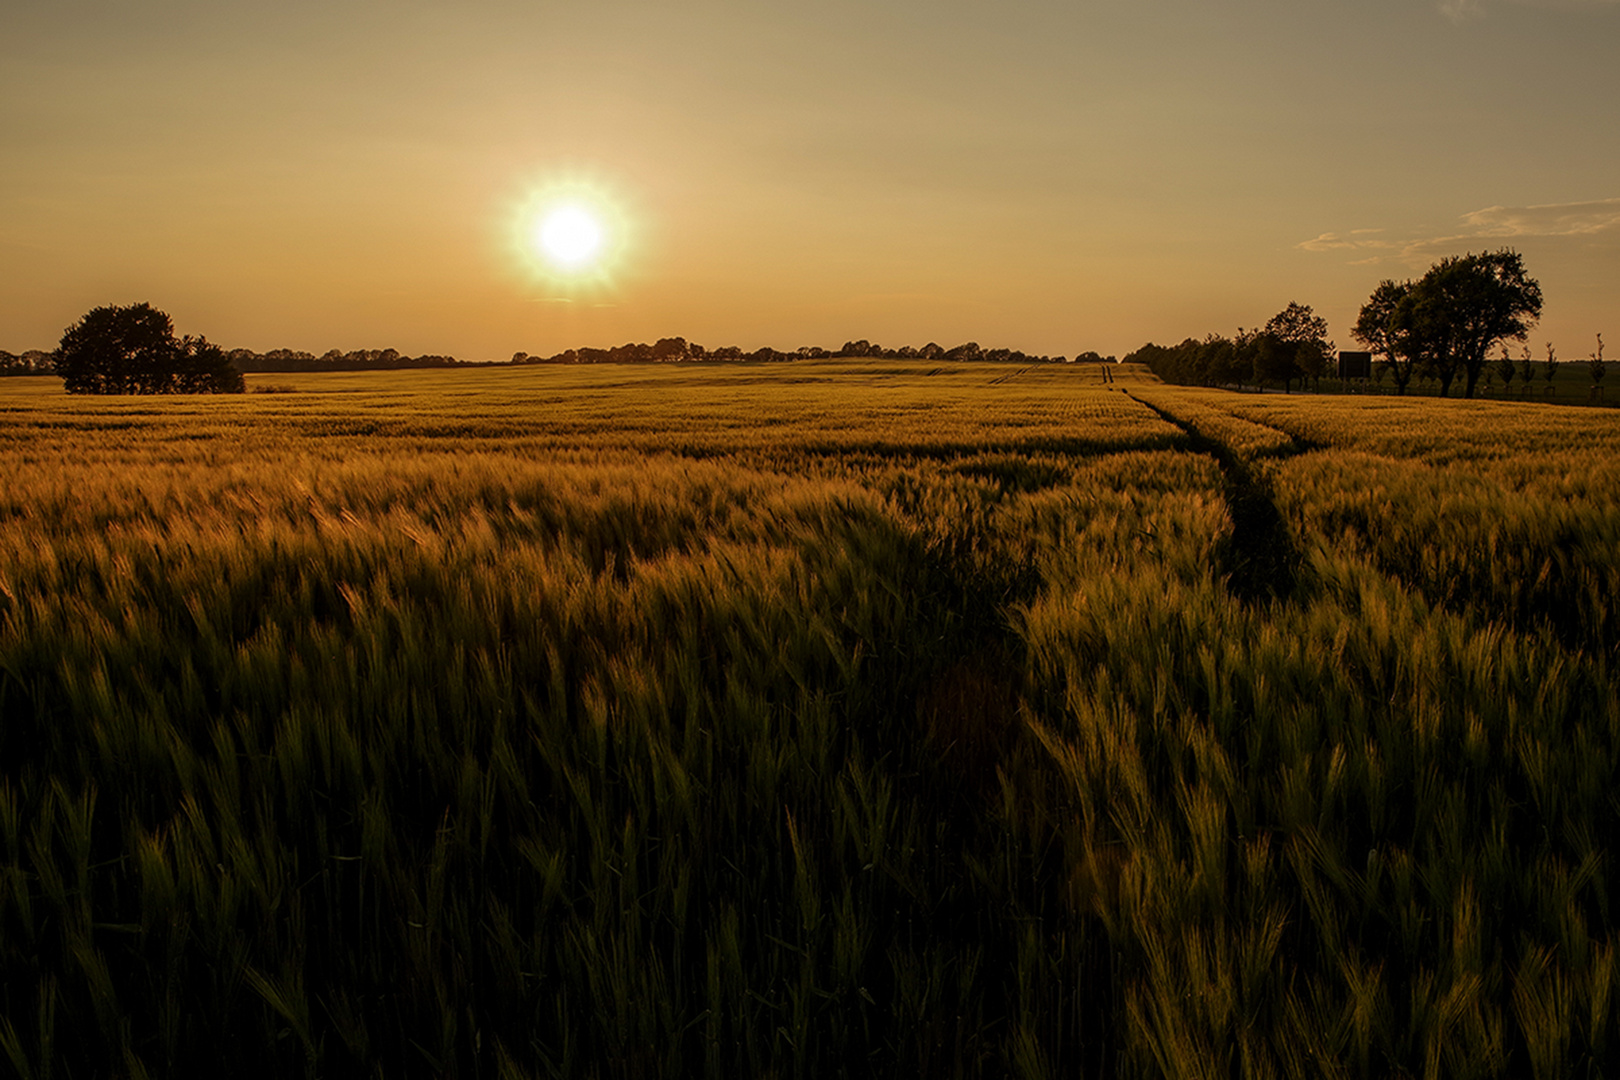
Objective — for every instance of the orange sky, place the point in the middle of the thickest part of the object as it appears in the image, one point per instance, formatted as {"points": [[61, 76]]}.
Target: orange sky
{"points": [[1046, 176]]}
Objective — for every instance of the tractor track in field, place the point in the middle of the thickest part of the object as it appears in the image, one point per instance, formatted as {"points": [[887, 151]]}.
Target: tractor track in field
{"points": [[1260, 559]]}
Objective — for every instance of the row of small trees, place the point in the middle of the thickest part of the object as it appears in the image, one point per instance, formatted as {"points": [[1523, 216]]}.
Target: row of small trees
{"points": [[1526, 368], [1293, 346]]}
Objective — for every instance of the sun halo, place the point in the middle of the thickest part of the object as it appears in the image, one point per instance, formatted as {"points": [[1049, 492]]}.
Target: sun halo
{"points": [[569, 236], [572, 235]]}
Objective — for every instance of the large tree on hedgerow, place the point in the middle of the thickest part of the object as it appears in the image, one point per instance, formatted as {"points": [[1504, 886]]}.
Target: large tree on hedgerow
{"points": [[133, 350], [1446, 323]]}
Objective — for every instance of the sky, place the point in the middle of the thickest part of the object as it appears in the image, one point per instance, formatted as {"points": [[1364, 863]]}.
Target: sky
{"points": [[1032, 174]]}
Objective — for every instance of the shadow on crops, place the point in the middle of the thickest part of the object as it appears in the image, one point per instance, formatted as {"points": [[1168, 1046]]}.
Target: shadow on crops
{"points": [[979, 774], [709, 818]]}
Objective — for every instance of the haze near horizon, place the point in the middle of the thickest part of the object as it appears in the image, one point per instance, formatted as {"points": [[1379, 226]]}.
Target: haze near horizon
{"points": [[1040, 176]]}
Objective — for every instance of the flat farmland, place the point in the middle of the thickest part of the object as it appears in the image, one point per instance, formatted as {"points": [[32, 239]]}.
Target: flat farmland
{"points": [[809, 719]]}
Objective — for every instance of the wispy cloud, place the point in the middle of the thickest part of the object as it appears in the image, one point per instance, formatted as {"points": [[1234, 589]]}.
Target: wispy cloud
{"points": [[1350, 241], [1552, 219], [1599, 218], [1462, 10]]}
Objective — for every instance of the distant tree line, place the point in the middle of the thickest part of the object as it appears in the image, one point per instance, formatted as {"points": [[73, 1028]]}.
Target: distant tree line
{"points": [[335, 360], [32, 362], [679, 350], [670, 350], [133, 350], [1293, 346], [663, 351]]}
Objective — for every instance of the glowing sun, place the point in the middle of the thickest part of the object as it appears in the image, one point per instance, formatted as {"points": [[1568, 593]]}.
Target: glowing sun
{"points": [[569, 236]]}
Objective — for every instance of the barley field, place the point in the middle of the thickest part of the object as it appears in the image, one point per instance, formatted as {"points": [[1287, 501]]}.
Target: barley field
{"points": [[810, 720]]}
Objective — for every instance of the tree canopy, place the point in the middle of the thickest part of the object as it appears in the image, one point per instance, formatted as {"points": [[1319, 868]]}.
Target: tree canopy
{"points": [[1299, 341], [133, 350], [1387, 326], [1446, 323]]}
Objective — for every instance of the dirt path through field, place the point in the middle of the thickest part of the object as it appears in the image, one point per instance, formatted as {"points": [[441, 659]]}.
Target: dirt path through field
{"points": [[1260, 558]]}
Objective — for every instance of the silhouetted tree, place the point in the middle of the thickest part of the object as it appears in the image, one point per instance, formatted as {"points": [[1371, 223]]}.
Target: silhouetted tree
{"points": [[1172, 363], [1507, 369], [1387, 325], [1274, 360], [1223, 362], [1527, 368], [1465, 305], [133, 350], [202, 367], [670, 348], [1301, 348], [1595, 366]]}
